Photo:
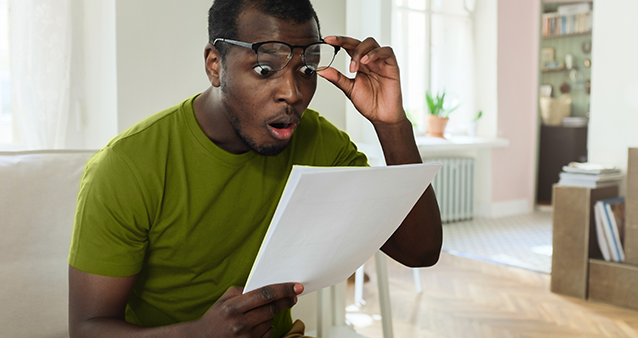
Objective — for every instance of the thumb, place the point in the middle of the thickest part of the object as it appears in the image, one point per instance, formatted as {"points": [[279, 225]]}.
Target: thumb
{"points": [[339, 80]]}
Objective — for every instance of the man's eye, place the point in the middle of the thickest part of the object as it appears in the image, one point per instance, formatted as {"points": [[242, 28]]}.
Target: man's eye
{"points": [[307, 70], [263, 69]]}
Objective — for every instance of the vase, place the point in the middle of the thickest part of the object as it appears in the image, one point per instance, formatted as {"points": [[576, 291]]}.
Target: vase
{"points": [[436, 125], [471, 128]]}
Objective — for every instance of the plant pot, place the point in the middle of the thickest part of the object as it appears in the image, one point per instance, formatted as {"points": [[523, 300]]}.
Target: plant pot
{"points": [[436, 125]]}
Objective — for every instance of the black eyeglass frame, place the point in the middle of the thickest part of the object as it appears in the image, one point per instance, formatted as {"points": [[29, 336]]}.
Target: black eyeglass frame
{"points": [[255, 47]]}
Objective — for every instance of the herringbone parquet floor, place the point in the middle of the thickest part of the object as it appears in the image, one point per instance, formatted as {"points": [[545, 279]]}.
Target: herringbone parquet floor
{"points": [[466, 298]]}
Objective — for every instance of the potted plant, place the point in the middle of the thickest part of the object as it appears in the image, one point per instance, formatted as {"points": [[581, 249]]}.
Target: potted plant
{"points": [[439, 111]]}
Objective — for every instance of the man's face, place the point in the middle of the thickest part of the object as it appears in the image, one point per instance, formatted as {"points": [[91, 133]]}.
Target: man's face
{"points": [[264, 110]]}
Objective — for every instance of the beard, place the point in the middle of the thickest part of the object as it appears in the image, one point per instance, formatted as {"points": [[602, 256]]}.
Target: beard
{"points": [[265, 150]]}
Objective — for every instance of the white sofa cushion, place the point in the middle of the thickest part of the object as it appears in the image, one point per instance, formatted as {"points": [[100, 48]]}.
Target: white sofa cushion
{"points": [[38, 192]]}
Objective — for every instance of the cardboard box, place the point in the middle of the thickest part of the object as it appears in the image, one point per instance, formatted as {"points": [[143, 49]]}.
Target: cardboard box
{"points": [[613, 283], [574, 237], [631, 209]]}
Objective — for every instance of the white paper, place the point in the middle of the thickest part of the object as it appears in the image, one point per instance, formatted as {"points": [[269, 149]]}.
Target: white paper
{"points": [[331, 220]]}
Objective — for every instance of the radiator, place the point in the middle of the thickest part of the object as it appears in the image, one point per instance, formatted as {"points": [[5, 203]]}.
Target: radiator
{"points": [[454, 188]]}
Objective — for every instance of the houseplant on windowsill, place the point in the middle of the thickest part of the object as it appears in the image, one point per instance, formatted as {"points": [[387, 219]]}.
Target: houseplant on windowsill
{"points": [[439, 111]]}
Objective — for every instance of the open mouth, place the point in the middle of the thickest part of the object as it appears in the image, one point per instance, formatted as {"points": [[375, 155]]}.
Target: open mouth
{"points": [[281, 125], [282, 130]]}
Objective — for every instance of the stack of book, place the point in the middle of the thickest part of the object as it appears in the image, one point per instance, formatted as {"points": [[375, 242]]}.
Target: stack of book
{"points": [[590, 175], [569, 19], [610, 228]]}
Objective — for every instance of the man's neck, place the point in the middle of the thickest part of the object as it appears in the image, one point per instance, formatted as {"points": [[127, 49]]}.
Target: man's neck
{"points": [[211, 117]]}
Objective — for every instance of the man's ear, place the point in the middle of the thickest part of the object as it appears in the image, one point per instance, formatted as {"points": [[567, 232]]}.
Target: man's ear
{"points": [[213, 62]]}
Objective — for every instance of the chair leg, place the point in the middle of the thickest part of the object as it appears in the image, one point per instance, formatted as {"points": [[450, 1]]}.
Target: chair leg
{"points": [[384, 294], [417, 280], [358, 287]]}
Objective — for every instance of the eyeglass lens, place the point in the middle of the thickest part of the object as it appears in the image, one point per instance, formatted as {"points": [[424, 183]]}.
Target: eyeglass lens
{"points": [[276, 56]]}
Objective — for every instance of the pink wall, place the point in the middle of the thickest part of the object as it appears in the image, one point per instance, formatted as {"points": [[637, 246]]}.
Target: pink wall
{"points": [[514, 167]]}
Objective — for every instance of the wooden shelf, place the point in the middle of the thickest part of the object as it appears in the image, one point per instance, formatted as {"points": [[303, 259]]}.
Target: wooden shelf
{"points": [[565, 35]]}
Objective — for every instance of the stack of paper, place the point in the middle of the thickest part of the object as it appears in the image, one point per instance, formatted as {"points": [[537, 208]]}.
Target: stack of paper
{"points": [[331, 220], [590, 175]]}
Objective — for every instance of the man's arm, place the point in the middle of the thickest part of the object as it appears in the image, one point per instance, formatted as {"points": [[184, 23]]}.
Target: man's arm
{"points": [[97, 304], [376, 94]]}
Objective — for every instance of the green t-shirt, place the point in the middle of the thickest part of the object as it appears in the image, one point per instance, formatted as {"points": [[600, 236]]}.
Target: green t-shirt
{"points": [[164, 202]]}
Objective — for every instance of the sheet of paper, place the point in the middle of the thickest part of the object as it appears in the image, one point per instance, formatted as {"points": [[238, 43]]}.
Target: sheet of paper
{"points": [[331, 220]]}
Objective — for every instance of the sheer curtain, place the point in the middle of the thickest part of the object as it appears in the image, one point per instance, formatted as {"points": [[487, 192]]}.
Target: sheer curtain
{"points": [[40, 37], [452, 68], [433, 40]]}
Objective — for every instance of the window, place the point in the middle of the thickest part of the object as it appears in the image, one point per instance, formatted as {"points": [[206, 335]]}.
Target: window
{"points": [[434, 47], [6, 121]]}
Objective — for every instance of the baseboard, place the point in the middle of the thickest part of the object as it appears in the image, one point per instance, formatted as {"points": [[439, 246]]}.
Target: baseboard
{"points": [[510, 208]]}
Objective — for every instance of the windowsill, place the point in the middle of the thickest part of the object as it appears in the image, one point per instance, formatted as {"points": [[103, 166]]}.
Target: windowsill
{"points": [[459, 142], [12, 147]]}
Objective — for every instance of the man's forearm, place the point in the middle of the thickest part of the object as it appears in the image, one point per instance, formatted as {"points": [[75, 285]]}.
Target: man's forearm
{"points": [[418, 240]]}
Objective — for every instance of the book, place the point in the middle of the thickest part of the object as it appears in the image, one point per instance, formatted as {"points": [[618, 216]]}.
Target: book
{"points": [[601, 236], [613, 220], [590, 168], [574, 9], [591, 177], [587, 184]]}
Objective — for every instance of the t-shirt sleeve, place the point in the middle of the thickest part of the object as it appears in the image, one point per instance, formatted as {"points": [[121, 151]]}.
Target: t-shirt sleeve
{"points": [[112, 218]]}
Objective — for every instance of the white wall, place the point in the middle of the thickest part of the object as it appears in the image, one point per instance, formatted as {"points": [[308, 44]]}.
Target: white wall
{"points": [[485, 51], [330, 101], [160, 55], [99, 102], [613, 125]]}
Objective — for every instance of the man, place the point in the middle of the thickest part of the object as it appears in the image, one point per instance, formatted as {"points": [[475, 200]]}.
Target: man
{"points": [[172, 212]]}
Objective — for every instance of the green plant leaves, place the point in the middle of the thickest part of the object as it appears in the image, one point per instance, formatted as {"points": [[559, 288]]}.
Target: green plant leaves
{"points": [[435, 105]]}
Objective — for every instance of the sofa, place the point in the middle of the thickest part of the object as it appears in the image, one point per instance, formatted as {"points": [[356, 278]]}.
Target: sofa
{"points": [[38, 191]]}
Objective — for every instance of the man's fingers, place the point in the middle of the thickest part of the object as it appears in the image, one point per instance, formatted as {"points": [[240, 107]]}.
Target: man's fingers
{"points": [[342, 41], [383, 53], [267, 294], [341, 81], [263, 330], [363, 52], [267, 312]]}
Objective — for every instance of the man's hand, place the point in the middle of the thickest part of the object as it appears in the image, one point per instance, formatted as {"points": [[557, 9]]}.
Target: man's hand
{"points": [[376, 89], [247, 315]]}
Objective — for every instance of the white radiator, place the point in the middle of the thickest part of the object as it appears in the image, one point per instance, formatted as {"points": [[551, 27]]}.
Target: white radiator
{"points": [[454, 188]]}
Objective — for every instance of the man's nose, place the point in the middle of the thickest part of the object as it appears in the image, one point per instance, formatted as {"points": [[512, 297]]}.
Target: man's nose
{"points": [[288, 89]]}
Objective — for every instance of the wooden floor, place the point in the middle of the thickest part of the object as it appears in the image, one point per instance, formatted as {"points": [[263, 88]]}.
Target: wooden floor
{"points": [[463, 297]]}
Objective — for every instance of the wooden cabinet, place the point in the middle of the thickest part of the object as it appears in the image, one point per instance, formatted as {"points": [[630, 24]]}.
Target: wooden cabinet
{"points": [[558, 146]]}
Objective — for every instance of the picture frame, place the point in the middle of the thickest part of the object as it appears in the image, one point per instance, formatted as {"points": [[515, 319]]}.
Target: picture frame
{"points": [[547, 55]]}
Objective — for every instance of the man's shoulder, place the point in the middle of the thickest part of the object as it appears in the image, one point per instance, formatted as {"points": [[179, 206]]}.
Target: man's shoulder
{"points": [[155, 125]]}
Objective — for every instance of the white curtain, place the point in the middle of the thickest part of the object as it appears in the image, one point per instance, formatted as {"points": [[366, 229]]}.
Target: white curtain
{"points": [[453, 66], [435, 48], [40, 52]]}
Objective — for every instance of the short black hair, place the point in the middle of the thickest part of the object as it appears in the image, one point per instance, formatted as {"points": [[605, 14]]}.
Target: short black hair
{"points": [[223, 14]]}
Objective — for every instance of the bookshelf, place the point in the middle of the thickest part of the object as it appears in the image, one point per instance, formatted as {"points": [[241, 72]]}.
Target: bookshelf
{"points": [[578, 269], [578, 45], [573, 41]]}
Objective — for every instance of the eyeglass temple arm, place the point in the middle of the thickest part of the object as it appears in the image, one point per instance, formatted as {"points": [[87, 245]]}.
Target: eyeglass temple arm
{"points": [[234, 42]]}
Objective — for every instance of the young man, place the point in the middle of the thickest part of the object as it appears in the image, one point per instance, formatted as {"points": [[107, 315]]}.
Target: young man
{"points": [[172, 212]]}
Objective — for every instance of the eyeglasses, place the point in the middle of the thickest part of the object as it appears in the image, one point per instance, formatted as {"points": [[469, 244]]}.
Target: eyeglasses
{"points": [[275, 55]]}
